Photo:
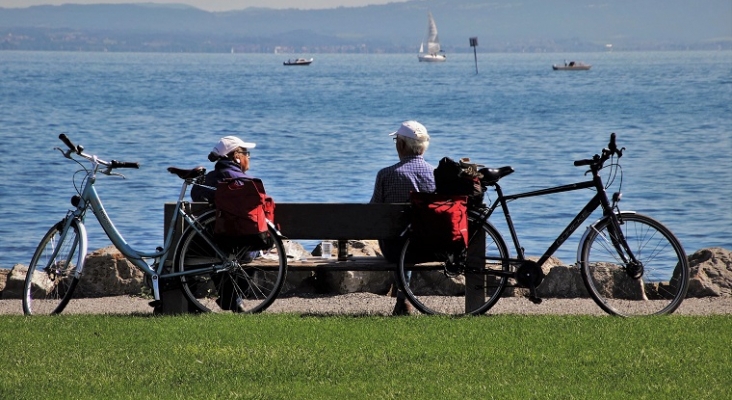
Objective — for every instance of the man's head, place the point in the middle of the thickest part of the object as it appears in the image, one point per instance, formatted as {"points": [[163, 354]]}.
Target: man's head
{"points": [[411, 138]]}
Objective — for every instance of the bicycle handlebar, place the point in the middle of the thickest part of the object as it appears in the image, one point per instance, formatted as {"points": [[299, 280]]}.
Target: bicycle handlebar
{"points": [[78, 149], [124, 164], [597, 160]]}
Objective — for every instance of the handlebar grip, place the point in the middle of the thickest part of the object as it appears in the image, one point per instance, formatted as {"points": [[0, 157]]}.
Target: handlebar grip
{"points": [[68, 143], [124, 164], [580, 163]]}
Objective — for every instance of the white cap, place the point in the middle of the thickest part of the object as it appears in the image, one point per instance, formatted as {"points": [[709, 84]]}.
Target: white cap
{"points": [[230, 143], [414, 130]]}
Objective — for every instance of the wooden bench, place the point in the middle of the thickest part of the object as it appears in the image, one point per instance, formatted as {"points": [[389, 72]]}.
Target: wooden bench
{"points": [[323, 221]]}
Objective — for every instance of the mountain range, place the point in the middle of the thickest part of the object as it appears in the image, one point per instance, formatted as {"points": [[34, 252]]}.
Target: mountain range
{"points": [[500, 25]]}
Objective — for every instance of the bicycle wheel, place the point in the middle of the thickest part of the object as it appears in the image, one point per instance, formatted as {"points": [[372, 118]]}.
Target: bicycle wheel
{"points": [[51, 276], [250, 284], [436, 286], [656, 286]]}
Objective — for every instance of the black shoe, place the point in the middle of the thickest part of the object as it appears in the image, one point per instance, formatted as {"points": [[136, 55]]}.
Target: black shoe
{"points": [[402, 307]]}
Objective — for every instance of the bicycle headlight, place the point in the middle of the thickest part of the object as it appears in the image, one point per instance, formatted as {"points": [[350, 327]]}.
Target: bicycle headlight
{"points": [[617, 196], [75, 200]]}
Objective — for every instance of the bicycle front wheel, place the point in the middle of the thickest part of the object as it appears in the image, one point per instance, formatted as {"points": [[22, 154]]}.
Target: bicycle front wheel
{"points": [[51, 276], [655, 285], [435, 285], [246, 280]]}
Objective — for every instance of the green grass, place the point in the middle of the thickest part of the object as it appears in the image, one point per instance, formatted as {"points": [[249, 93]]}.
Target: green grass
{"points": [[281, 356]]}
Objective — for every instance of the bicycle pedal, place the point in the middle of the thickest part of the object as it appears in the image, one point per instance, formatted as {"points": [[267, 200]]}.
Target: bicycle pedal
{"points": [[535, 299]]}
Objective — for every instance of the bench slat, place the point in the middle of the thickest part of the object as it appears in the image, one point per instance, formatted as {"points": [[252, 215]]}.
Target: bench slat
{"points": [[341, 220]]}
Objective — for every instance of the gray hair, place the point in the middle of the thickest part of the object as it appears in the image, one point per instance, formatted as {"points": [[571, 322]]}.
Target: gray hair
{"points": [[414, 146]]}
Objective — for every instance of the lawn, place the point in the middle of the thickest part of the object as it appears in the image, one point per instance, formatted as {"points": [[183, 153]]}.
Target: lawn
{"points": [[286, 356]]}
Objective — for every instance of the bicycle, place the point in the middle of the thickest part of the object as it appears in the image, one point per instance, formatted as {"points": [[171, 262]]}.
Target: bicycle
{"points": [[630, 263], [213, 276]]}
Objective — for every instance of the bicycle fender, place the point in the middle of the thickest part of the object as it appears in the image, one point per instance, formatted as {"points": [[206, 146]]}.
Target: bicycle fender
{"points": [[82, 246]]}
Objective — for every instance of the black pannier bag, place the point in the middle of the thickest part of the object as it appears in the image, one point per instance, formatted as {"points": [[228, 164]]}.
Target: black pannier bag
{"points": [[459, 178]]}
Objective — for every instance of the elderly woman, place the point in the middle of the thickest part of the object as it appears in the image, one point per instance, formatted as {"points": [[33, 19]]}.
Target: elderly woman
{"points": [[231, 155]]}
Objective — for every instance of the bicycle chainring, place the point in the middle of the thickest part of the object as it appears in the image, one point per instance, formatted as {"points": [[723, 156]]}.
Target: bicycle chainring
{"points": [[529, 274]]}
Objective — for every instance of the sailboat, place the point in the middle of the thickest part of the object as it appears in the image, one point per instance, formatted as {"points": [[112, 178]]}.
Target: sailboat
{"points": [[433, 54]]}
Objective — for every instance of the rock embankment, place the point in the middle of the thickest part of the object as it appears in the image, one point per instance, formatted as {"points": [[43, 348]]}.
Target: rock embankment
{"points": [[108, 273]]}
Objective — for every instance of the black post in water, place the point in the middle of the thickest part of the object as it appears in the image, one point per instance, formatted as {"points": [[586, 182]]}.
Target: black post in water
{"points": [[474, 44]]}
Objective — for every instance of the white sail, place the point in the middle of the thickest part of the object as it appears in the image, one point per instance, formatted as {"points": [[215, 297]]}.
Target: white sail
{"points": [[433, 43]]}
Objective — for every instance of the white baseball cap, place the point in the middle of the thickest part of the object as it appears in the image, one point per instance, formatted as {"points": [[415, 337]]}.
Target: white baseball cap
{"points": [[228, 144], [414, 130]]}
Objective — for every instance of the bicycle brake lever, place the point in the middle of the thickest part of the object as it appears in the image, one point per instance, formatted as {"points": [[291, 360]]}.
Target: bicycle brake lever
{"points": [[108, 172], [66, 153]]}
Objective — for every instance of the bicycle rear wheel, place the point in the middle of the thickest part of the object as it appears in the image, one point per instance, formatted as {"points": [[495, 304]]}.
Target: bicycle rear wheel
{"points": [[436, 287], [51, 276], [250, 284], [656, 286]]}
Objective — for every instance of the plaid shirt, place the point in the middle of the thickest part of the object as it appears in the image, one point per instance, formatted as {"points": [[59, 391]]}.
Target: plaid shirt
{"points": [[394, 183]]}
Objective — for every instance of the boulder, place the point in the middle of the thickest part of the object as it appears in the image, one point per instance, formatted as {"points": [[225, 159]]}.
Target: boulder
{"points": [[341, 282], [108, 273], [562, 281], [4, 272], [711, 273]]}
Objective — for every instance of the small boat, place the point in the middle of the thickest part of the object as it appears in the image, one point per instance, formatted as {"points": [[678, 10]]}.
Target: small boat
{"points": [[434, 53], [572, 66], [298, 61]]}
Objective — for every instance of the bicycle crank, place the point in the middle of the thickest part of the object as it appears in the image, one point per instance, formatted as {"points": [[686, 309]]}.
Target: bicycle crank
{"points": [[530, 275]]}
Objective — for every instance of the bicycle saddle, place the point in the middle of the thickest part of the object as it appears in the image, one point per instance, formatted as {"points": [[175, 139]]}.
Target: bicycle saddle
{"points": [[492, 175], [187, 173]]}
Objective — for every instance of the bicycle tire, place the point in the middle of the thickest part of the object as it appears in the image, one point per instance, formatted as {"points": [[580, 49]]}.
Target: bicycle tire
{"points": [[250, 286], [433, 289], [52, 274], [663, 282]]}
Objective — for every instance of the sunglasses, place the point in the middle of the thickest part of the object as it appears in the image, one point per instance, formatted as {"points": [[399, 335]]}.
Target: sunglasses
{"points": [[240, 151]]}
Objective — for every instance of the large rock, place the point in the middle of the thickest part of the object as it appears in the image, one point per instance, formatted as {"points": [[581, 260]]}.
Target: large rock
{"points": [[15, 281], [108, 273], [562, 281], [340, 282], [4, 272], [711, 273]]}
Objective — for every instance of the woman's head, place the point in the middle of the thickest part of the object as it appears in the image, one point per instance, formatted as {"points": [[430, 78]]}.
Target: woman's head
{"points": [[234, 149]]}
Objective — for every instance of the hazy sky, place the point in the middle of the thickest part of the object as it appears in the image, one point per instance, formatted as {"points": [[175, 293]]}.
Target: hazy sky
{"points": [[214, 5]]}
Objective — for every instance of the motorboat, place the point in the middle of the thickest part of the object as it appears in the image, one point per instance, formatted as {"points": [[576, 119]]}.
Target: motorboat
{"points": [[572, 66], [298, 61]]}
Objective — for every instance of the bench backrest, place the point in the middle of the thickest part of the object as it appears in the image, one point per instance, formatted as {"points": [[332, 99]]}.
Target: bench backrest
{"points": [[332, 220]]}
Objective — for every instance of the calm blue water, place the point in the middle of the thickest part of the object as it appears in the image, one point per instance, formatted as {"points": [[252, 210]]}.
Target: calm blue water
{"points": [[321, 131]]}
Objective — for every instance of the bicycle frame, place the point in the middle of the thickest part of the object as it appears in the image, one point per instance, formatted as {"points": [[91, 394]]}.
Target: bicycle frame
{"points": [[599, 200], [90, 199]]}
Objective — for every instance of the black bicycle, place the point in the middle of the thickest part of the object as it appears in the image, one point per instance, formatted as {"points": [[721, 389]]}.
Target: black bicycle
{"points": [[630, 263]]}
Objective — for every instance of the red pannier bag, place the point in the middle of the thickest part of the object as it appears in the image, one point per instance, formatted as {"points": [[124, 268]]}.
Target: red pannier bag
{"points": [[439, 225], [242, 211]]}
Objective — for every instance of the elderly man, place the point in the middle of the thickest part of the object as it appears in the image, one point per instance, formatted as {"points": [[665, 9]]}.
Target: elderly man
{"points": [[394, 183]]}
